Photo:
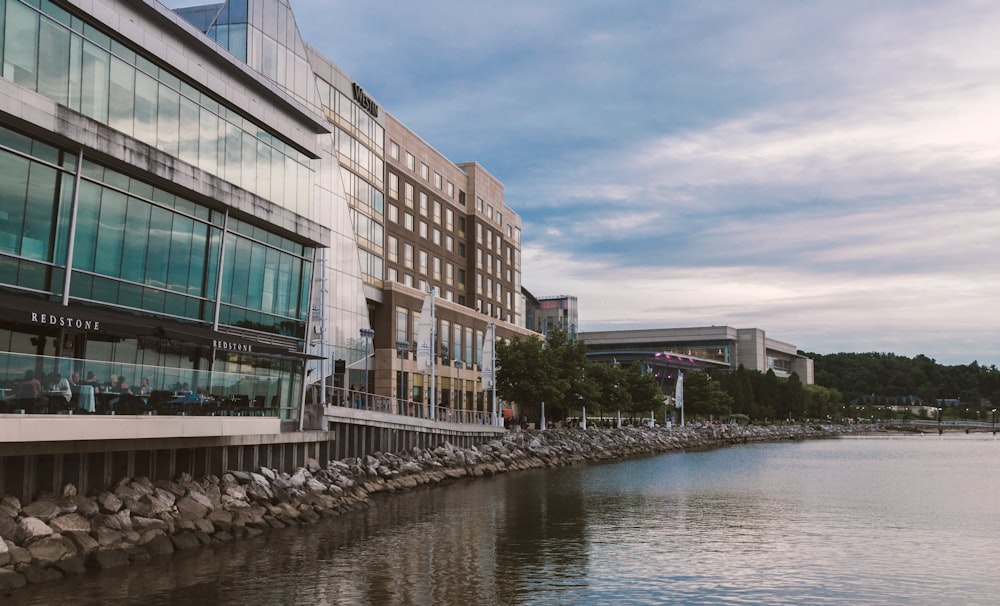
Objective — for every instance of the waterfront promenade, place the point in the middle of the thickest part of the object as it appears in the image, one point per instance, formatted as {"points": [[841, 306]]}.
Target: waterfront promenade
{"points": [[137, 519]]}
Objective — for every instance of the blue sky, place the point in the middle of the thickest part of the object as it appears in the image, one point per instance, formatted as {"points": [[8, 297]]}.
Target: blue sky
{"points": [[826, 171]]}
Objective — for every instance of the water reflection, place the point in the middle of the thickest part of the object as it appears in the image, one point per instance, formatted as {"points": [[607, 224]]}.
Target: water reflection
{"points": [[834, 522]]}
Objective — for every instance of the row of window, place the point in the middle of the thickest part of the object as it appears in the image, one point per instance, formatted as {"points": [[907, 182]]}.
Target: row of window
{"points": [[425, 172], [75, 64], [139, 247], [454, 342]]}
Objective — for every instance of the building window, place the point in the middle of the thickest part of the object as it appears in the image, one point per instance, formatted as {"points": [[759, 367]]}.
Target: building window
{"points": [[424, 171], [423, 204], [422, 268], [392, 211], [392, 244], [449, 219], [408, 221], [408, 194], [451, 189], [437, 180], [437, 237], [479, 204], [423, 229], [449, 244], [394, 150], [394, 186], [437, 212], [408, 255], [410, 162]]}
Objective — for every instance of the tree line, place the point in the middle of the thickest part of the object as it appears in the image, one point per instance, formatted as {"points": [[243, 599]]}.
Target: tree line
{"points": [[556, 371]]}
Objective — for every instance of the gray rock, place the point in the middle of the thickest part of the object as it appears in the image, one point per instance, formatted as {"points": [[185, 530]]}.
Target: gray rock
{"points": [[10, 580], [185, 541], [106, 558], [37, 575], [72, 522], [191, 509], [108, 502], [83, 542], [10, 506], [47, 510], [30, 530]]}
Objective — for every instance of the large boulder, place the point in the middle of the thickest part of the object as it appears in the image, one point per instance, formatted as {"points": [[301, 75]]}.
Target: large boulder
{"points": [[30, 530], [71, 522], [50, 550]]}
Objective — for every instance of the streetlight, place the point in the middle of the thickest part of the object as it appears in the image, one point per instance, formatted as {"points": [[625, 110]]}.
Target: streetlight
{"points": [[367, 334], [994, 421]]}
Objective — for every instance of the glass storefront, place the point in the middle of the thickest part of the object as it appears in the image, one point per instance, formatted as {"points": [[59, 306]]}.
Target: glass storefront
{"points": [[150, 273]]}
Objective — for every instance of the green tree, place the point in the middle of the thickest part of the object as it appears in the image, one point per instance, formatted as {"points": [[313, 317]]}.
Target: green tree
{"points": [[704, 397], [531, 371]]}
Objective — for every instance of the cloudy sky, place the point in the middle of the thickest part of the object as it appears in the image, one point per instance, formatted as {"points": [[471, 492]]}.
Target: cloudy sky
{"points": [[826, 171]]}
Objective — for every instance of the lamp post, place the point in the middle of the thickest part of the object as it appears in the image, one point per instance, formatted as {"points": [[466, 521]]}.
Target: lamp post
{"points": [[994, 421], [367, 334]]}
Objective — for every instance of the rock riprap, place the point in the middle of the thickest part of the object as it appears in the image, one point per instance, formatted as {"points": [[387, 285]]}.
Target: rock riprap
{"points": [[137, 519]]}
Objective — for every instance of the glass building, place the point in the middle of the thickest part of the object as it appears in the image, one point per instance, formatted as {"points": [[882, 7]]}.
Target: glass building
{"points": [[172, 202]]}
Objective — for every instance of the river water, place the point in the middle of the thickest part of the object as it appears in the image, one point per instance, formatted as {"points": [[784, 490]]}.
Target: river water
{"points": [[870, 520]]}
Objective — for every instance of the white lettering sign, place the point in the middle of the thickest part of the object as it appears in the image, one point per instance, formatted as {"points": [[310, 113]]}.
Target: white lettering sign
{"points": [[230, 346], [65, 321]]}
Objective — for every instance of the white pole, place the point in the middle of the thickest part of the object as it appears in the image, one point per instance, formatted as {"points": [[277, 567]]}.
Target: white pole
{"points": [[542, 427], [493, 352], [618, 423], [584, 424], [433, 398]]}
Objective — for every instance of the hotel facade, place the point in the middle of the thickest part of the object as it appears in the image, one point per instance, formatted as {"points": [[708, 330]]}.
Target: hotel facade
{"points": [[199, 198]]}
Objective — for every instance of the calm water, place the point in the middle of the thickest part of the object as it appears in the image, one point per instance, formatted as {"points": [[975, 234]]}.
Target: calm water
{"points": [[895, 520]]}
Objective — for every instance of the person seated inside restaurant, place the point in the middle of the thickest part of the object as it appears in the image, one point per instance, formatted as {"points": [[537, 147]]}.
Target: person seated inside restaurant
{"points": [[122, 387], [144, 388], [87, 389], [92, 381], [29, 392], [60, 386]]}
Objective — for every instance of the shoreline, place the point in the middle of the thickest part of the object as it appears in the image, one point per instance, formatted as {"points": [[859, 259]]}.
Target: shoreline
{"points": [[58, 536]]}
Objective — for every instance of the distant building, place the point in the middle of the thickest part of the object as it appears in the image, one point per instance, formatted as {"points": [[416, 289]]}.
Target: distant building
{"points": [[696, 348], [555, 312]]}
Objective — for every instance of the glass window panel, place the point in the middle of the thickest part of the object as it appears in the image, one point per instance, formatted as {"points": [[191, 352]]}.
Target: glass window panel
{"points": [[168, 113], [145, 108], [20, 60], [208, 141], [53, 61], [234, 152], [199, 260], [255, 283], [136, 237], [39, 210], [248, 157], [111, 233], [13, 193], [75, 71], [95, 78], [157, 253], [180, 253], [122, 96], [189, 131], [263, 169], [240, 271], [88, 211]]}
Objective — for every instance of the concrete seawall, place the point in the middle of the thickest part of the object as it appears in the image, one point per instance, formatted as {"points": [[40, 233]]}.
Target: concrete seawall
{"points": [[137, 519]]}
